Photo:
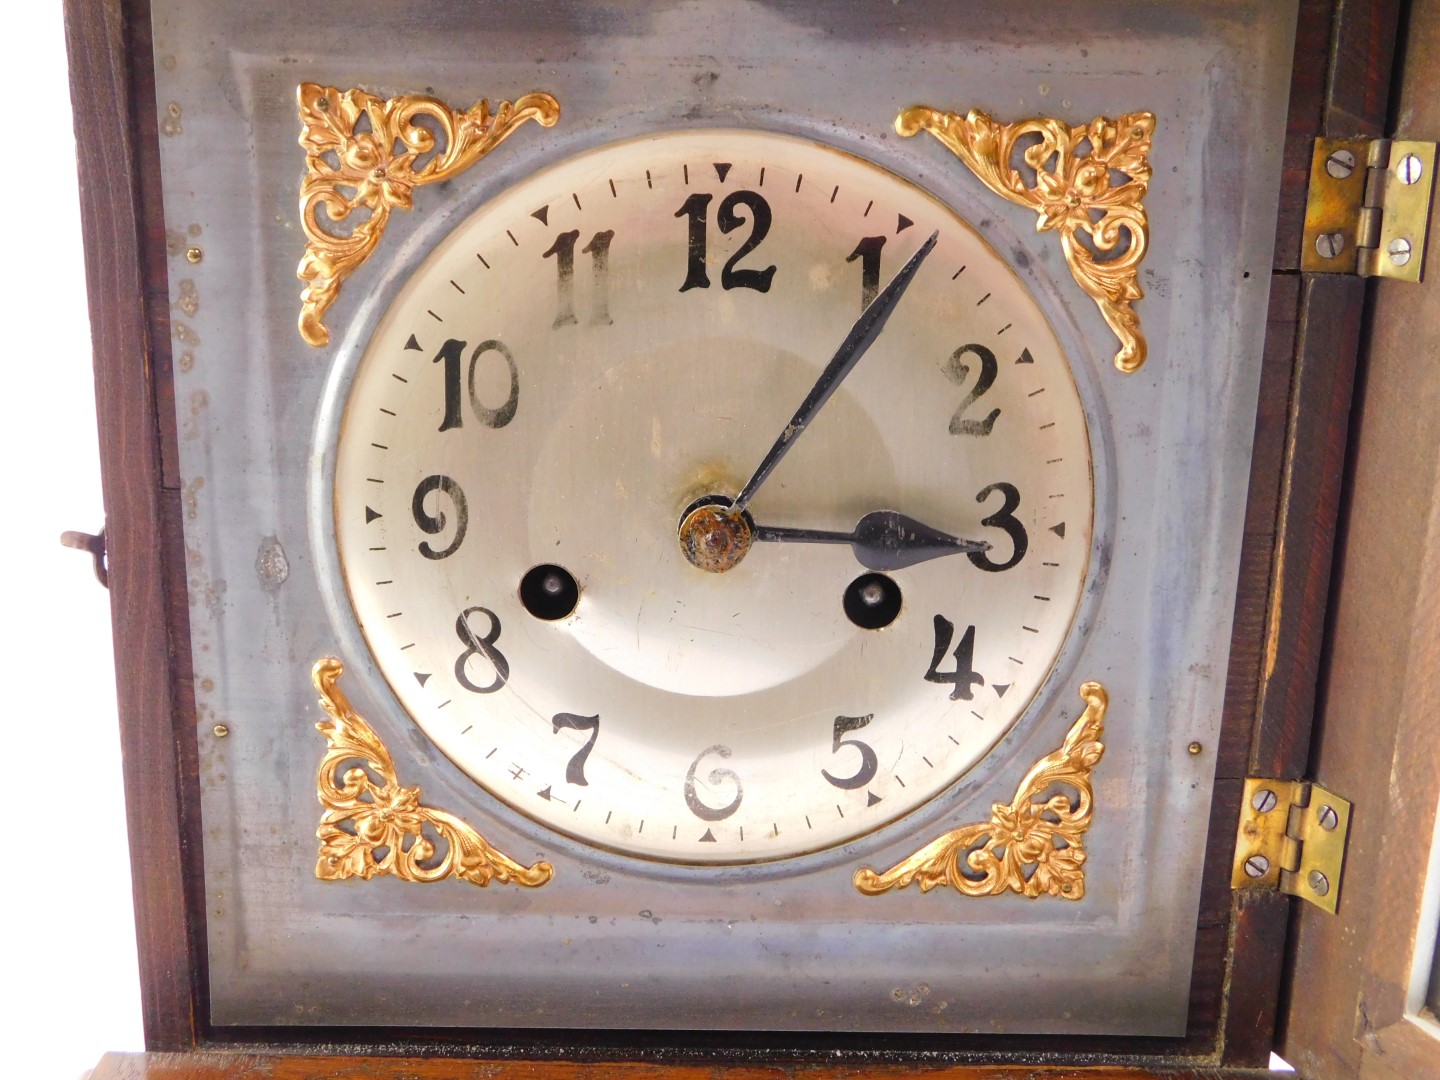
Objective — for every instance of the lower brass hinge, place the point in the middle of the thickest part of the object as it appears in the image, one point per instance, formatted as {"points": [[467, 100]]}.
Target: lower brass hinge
{"points": [[1291, 837], [1368, 207]]}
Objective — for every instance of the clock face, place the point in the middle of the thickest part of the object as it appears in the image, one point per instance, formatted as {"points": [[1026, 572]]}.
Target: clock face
{"points": [[616, 342]]}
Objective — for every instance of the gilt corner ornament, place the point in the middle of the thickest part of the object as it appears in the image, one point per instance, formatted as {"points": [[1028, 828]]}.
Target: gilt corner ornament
{"points": [[1104, 232], [1034, 845], [372, 829], [373, 148]]}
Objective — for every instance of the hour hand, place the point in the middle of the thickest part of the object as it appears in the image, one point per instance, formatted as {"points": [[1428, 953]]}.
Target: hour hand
{"points": [[882, 540]]}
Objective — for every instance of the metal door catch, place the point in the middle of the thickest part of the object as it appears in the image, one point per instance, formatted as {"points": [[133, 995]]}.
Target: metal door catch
{"points": [[1368, 207]]}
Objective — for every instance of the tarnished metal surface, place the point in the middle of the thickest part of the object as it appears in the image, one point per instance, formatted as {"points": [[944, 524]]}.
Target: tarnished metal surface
{"points": [[614, 941]]}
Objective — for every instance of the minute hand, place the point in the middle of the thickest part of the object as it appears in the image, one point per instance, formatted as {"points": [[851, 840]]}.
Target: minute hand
{"points": [[862, 335], [883, 540]]}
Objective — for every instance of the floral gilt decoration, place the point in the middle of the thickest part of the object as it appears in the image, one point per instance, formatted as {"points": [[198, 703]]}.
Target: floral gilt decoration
{"points": [[372, 828], [1033, 845], [363, 154], [1074, 194]]}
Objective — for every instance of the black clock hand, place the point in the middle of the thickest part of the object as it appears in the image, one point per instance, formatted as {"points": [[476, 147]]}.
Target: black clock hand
{"points": [[883, 540], [862, 335]]}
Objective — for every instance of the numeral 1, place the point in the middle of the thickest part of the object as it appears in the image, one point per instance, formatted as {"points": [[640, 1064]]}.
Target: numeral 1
{"points": [[868, 252]]}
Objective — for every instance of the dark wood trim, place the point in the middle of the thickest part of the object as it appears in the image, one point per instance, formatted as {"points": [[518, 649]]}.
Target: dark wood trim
{"points": [[1358, 40], [222, 1066], [142, 612]]}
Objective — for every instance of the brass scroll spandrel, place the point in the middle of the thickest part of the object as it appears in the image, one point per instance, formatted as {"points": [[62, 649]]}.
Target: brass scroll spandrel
{"points": [[1033, 845], [372, 829], [361, 154], [1104, 232]]}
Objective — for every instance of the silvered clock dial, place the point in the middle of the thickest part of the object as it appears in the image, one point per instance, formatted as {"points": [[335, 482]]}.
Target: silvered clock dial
{"points": [[536, 481]]}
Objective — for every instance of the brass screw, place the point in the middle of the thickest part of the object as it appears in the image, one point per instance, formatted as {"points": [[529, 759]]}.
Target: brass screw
{"points": [[1399, 251], [1194, 748], [1319, 883], [193, 254], [1329, 245], [221, 730], [1340, 164], [1328, 818]]}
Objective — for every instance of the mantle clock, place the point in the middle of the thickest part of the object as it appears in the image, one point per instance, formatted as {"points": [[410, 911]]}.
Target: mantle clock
{"points": [[737, 533]]}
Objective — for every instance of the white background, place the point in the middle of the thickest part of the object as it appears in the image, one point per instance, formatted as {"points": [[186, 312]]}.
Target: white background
{"points": [[70, 988]]}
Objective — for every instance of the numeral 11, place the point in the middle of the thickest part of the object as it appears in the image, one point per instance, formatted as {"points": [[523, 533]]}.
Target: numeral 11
{"points": [[564, 251]]}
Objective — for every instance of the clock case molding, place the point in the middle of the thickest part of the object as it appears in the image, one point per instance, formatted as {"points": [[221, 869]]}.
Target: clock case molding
{"points": [[1340, 85]]}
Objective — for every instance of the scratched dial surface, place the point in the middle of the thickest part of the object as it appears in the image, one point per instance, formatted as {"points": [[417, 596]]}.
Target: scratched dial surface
{"points": [[626, 333]]}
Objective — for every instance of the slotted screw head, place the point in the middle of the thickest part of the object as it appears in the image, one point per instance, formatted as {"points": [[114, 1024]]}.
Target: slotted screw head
{"points": [[1399, 251], [1340, 164], [1319, 883], [1329, 244], [1257, 866], [1409, 169], [1264, 800], [1328, 818]]}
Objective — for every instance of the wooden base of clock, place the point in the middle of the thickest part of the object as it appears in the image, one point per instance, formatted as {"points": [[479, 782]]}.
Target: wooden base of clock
{"points": [[224, 1066], [1340, 86]]}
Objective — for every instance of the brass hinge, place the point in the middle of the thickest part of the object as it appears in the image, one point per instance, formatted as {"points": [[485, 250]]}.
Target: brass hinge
{"points": [[1291, 837], [1368, 207]]}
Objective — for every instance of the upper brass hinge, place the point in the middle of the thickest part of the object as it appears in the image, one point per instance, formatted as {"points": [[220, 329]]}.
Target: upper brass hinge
{"points": [[1291, 837], [1368, 207]]}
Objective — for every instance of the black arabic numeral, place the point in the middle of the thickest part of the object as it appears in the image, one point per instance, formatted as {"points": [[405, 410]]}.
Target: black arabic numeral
{"points": [[564, 251], [450, 354], [729, 220], [695, 206], [964, 677], [434, 524], [599, 251], [575, 771], [869, 763], [480, 646], [1005, 519], [717, 776], [957, 372], [731, 277], [868, 252]]}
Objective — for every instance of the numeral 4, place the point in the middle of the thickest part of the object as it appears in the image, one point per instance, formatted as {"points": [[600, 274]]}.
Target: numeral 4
{"points": [[964, 678]]}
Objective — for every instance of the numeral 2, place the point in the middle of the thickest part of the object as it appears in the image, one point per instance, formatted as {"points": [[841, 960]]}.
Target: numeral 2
{"points": [[957, 372]]}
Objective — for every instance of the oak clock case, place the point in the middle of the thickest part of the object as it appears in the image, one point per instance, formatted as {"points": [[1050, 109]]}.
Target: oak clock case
{"points": [[625, 935]]}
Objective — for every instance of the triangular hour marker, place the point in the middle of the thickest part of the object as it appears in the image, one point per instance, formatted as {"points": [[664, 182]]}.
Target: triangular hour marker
{"points": [[421, 676], [371, 515], [999, 688], [1025, 357], [542, 215], [871, 798], [903, 224], [709, 837], [413, 344], [721, 168], [1059, 530], [544, 794]]}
